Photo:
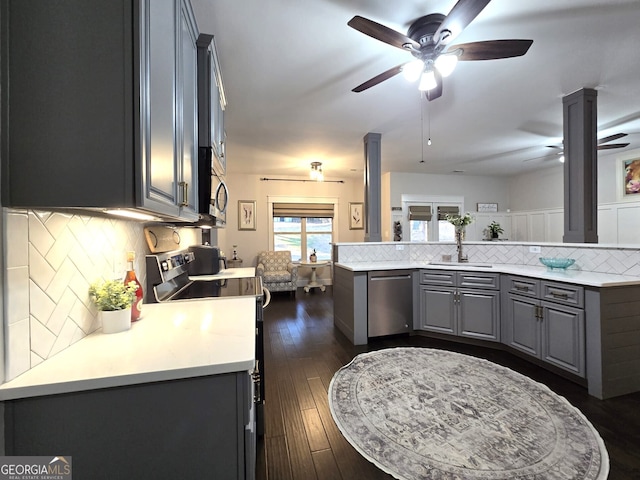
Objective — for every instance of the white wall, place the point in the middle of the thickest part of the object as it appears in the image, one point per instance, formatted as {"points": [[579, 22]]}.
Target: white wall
{"points": [[536, 190], [475, 189]]}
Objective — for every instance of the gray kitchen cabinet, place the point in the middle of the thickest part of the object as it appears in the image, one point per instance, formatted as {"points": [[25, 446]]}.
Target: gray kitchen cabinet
{"points": [[100, 113], [211, 124], [188, 95], [198, 427], [460, 303], [546, 320], [437, 309], [350, 306]]}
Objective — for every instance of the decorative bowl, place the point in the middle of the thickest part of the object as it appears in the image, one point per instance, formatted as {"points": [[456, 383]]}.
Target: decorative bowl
{"points": [[557, 262]]}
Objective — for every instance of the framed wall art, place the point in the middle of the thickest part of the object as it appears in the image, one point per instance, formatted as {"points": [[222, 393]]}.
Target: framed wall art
{"points": [[628, 173], [356, 216], [487, 207], [246, 214]]}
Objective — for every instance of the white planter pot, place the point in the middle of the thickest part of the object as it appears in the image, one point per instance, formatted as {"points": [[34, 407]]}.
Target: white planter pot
{"points": [[115, 321]]}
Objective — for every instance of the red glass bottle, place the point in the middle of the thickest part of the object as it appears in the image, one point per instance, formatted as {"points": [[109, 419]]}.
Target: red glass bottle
{"points": [[136, 308]]}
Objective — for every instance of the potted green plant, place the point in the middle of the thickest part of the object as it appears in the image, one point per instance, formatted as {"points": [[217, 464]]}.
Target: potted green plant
{"points": [[113, 298], [495, 229]]}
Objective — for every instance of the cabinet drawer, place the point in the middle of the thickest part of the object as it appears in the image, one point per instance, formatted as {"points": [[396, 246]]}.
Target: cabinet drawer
{"points": [[479, 280], [523, 286], [563, 293], [438, 277]]}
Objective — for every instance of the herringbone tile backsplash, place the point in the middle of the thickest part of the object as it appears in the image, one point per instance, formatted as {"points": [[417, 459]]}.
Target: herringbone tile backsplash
{"points": [[609, 259], [51, 259]]}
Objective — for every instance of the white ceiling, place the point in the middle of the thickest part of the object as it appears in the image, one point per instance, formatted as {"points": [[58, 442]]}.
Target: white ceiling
{"points": [[289, 66]]}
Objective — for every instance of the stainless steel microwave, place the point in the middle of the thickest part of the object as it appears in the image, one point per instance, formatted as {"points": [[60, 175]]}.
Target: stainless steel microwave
{"points": [[213, 192]]}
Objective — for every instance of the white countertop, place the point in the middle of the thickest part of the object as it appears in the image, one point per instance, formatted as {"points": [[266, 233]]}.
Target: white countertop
{"points": [[170, 341], [579, 277], [227, 273]]}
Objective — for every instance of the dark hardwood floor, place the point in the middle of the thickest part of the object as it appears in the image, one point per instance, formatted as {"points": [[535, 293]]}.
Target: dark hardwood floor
{"points": [[302, 352]]}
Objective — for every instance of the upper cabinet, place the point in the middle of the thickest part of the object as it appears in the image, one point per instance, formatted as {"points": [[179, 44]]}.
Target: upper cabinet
{"points": [[212, 103], [99, 105]]}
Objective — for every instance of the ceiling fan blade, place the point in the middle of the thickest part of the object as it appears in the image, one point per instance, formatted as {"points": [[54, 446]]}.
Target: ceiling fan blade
{"points": [[382, 33], [611, 146], [611, 138], [492, 49], [461, 15], [378, 79], [435, 92]]}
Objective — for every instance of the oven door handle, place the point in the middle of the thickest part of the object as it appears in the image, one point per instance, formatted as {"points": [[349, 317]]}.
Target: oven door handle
{"points": [[267, 297]]}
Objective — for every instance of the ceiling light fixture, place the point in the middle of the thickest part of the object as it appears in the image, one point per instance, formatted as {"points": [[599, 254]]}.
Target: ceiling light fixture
{"points": [[413, 70], [423, 68], [427, 80], [446, 64], [316, 172]]}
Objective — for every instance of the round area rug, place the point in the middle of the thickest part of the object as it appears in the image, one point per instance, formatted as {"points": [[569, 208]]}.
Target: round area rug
{"points": [[419, 413]]}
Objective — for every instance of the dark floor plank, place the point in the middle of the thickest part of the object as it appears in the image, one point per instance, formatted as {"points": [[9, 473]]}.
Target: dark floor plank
{"points": [[315, 431], [326, 466], [277, 458], [309, 367], [273, 421], [298, 446], [299, 378]]}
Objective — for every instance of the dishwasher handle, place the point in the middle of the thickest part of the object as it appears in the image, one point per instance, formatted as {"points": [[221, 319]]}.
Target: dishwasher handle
{"points": [[391, 277]]}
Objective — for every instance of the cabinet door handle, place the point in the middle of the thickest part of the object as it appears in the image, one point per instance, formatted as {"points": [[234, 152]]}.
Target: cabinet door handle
{"points": [[185, 194], [521, 288], [561, 295]]}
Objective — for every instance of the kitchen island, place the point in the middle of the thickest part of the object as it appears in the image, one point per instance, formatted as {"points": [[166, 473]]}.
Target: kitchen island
{"points": [[170, 398], [597, 339]]}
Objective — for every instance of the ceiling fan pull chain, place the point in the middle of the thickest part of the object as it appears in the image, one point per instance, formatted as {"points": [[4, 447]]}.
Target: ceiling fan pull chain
{"points": [[422, 94], [428, 120]]}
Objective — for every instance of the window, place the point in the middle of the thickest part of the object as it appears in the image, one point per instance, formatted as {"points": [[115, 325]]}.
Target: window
{"points": [[446, 230], [428, 222], [302, 228]]}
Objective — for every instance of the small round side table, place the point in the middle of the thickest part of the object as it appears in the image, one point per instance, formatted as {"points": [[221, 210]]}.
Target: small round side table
{"points": [[313, 281]]}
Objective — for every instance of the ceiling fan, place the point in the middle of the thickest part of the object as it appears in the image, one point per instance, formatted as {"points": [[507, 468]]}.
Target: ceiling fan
{"points": [[427, 39], [602, 144]]}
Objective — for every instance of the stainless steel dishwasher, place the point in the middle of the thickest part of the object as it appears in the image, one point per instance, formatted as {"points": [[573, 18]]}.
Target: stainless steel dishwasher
{"points": [[389, 302]]}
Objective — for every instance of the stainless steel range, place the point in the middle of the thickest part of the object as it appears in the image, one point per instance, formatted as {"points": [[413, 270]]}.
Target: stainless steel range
{"points": [[168, 280]]}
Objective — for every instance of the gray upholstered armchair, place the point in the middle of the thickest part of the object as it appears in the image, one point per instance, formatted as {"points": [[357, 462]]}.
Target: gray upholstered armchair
{"points": [[278, 273]]}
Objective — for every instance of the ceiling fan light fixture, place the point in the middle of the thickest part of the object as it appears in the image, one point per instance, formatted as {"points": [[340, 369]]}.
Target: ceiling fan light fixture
{"points": [[413, 70], [427, 80], [446, 64]]}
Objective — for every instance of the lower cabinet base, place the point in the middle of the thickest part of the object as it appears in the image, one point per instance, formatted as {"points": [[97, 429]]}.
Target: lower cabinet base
{"points": [[190, 428], [499, 346]]}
